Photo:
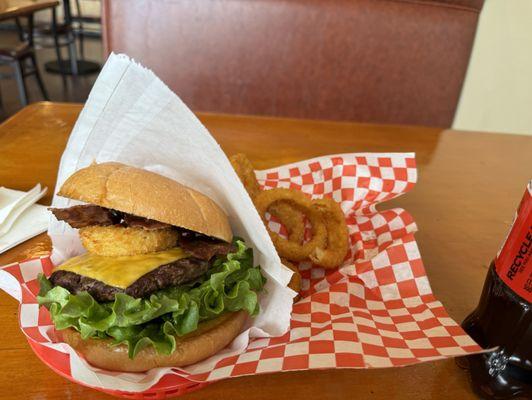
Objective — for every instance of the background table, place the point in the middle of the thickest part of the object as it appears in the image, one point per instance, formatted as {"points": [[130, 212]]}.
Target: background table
{"points": [[468, 189], [18, 8]]}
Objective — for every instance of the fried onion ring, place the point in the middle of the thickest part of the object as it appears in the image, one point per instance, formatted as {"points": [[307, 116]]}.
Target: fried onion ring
{"points": [[246, 173], [295, 281], [115, 241], [291, 250], [337, 246], [291, 218]]}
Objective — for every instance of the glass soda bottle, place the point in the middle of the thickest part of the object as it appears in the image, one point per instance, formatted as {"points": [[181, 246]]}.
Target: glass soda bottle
{"points": [[503, 317]]}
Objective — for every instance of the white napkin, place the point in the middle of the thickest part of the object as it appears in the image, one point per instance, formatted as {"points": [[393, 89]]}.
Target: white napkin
{"points": [[132, 117], [30, 223]]}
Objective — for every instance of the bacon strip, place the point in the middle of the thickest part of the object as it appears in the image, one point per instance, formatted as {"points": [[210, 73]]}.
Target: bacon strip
{"points": [[91, 215]]}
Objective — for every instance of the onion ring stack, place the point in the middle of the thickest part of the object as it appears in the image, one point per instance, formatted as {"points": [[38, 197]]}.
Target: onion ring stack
{"points": [[329, 243]]}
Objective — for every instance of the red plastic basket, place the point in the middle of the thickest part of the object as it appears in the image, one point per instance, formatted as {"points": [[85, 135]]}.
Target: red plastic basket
{"points": [[169, 386]]}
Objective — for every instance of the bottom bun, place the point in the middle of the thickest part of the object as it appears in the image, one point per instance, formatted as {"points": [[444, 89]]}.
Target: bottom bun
{"points": [[210, 337]]}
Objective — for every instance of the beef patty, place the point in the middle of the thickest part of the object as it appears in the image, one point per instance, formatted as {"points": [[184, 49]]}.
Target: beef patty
{"points": [[185, 270], [176, 273]]}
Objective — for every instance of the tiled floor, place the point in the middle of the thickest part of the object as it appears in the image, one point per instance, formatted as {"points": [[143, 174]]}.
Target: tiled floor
{"points": [[75, 89]]}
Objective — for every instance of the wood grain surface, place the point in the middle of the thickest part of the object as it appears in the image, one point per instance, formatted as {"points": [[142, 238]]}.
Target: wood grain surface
{"points": [[16, 8], [468, 189]]}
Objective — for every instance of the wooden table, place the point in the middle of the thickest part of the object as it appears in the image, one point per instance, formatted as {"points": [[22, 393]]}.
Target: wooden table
{"points": [[469, 187], [18, 8]]}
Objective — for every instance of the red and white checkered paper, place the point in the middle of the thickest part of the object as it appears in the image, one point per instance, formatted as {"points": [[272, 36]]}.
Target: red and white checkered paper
{"points": [[376, 311]]}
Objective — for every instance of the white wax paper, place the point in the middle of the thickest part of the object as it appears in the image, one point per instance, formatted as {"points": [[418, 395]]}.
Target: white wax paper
{"points": [[132, 117]]}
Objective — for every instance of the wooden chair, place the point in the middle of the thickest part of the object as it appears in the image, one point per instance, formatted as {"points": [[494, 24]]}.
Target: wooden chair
{"points": [[22, 61], [62, 35], [386, 61], [65, 34]]}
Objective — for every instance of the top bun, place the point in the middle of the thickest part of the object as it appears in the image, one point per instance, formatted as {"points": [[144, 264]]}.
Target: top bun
{"points": [[149, 195]]}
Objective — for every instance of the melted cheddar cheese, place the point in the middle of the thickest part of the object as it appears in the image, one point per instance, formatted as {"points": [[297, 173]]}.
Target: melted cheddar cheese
{"points": [[120, 271]]}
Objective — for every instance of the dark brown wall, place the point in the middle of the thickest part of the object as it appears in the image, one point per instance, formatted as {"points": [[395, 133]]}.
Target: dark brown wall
{"points": [[361, 60]]}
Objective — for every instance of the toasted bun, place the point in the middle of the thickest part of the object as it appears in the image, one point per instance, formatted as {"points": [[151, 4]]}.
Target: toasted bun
{"points": [[208, 339], [149, 195]]}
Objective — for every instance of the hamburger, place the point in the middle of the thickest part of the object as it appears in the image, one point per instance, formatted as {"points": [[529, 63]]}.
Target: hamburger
{"points": [[163, 282]]}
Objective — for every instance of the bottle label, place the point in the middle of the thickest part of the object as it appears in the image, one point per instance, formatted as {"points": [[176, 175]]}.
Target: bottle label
{"points": [[513, 264]]}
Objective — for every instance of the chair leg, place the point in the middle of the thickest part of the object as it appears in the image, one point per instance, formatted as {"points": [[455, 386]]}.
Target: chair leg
{"points": [[59, 59], [39, 79], [21, 85], [72, 52], [81, 36], [58, 50], [20, 29], [81, 33], [57, 45]]}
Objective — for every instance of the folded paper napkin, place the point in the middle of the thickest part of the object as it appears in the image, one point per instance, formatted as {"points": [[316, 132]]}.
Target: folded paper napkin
{"points": [[376, 311], [31, 222]]}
